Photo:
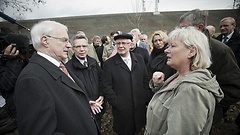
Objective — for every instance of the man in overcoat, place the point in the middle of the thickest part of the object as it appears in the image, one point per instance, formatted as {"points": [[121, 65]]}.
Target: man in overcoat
{"points": [[125, 86], [50, 99]]}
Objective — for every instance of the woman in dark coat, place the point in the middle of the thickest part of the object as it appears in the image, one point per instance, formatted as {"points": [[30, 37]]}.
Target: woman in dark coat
{"points": [[158, 58]]}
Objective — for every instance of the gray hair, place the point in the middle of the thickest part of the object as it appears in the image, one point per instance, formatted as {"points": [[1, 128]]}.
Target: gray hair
{"points": [[232, 20], [78, 36], [135, 31], [193, 38], [196, 17], [41, 28]]}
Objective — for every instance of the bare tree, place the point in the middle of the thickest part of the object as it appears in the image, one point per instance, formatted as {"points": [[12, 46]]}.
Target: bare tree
{"points": [[20, 6]]}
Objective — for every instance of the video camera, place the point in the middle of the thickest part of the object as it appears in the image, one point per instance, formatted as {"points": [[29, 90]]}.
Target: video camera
{"points": [[20, 41]]}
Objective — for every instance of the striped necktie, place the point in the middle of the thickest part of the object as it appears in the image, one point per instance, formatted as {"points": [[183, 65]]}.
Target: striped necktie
{"points": [[225, 39], [64, 69], [85, 64]]}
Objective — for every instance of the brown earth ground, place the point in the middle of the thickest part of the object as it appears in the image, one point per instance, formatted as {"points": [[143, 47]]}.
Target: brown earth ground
{"points": [[228, 127]]}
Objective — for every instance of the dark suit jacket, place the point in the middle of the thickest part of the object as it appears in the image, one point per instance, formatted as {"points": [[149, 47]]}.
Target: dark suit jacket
{"points": [[145, 46], [90, 76], [49, 102], [234, 44], [99, 52], [143, 52], [127, 92]]}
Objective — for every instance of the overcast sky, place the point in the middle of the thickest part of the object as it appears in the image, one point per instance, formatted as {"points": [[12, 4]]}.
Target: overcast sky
{"points": [[62, 8]]}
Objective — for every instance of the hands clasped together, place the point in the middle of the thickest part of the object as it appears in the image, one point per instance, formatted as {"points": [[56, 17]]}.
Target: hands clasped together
{"points": [[96, 106]]}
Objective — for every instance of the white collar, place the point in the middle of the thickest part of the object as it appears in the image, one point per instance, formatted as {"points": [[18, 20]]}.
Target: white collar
{"points": [[49, 58], [229, 36], [127, 57], [81, 60]]}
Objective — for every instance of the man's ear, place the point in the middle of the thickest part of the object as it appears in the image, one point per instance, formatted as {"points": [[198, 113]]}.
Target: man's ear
{"points": [[192, 52], [201, 27], [44, 41]]}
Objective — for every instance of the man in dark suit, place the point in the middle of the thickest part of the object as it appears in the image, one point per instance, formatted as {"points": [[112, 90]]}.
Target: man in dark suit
{"points": [[230, 36], [125, 86], [141, 51], [50, 100], [136, 33], [87, 70], [105, 41], [224, 64]]}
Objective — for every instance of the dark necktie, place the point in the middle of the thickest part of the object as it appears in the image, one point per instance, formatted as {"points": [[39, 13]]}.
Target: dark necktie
{"points": [[64, 69], [85, 64], [225, 39]]}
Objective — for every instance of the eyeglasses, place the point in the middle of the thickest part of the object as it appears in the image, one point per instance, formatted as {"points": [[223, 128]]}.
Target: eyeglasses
{"points": [[79, 46], [63, 39], [123, 43]]}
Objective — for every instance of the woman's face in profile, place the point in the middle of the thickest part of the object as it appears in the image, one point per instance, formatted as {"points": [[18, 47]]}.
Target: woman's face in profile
{"points": [[177, 55], [158, 42]]}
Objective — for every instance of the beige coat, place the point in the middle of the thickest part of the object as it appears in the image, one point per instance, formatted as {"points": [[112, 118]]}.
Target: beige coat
{"points": [[184, 108]]}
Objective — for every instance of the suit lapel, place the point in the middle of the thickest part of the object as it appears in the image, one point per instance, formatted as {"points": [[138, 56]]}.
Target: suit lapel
{"points": [[134, 60], [120, 62], [56, 72]]}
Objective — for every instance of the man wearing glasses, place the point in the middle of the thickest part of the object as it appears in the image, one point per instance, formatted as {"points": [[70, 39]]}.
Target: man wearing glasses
{"points": [[49, 98], [125, 86], [87, 70]]}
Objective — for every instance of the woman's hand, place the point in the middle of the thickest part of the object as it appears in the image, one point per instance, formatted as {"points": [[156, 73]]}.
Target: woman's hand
{"points": [[158, 78]]}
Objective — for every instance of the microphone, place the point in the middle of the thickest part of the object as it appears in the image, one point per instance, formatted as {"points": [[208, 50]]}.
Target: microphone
{"points": [[11, 20]]}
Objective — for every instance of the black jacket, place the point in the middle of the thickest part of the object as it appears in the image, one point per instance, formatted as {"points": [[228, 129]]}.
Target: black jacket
{"points": [[10, 69], [158, 62], [127, 91], [49, 102], [143, 52], [234, 44], [90, 76]]}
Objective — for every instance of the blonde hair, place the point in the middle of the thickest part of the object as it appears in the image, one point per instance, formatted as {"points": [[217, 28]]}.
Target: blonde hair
{"points": [[193, 38], [162, 34]]}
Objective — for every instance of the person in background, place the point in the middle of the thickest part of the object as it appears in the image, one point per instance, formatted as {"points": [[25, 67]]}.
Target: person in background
{"points": [[144, 39], [139, 50], [158, 58], [136, 33], [211, 29], [10, 68], [96, 42], [105, 41], [49, 98], [91, 50], [230, 36], [184, 104], [224, 64], [125, 86], [109, 50], [87, 70], [16, 51]]}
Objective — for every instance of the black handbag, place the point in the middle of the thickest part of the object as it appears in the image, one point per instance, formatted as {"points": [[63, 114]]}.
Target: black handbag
{"points": [[7, 122]]}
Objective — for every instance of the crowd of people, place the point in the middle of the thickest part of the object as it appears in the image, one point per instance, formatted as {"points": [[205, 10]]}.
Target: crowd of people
{"points": [[183, 82]]}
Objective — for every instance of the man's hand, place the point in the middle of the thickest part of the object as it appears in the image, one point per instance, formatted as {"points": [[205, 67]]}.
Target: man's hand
{"points": [[11, 51], [96, 107], [100, 100]]}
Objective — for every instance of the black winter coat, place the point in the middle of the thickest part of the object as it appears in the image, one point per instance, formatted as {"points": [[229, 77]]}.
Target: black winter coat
{"points": [[90, 76], [234, 44], [127, 91]]}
